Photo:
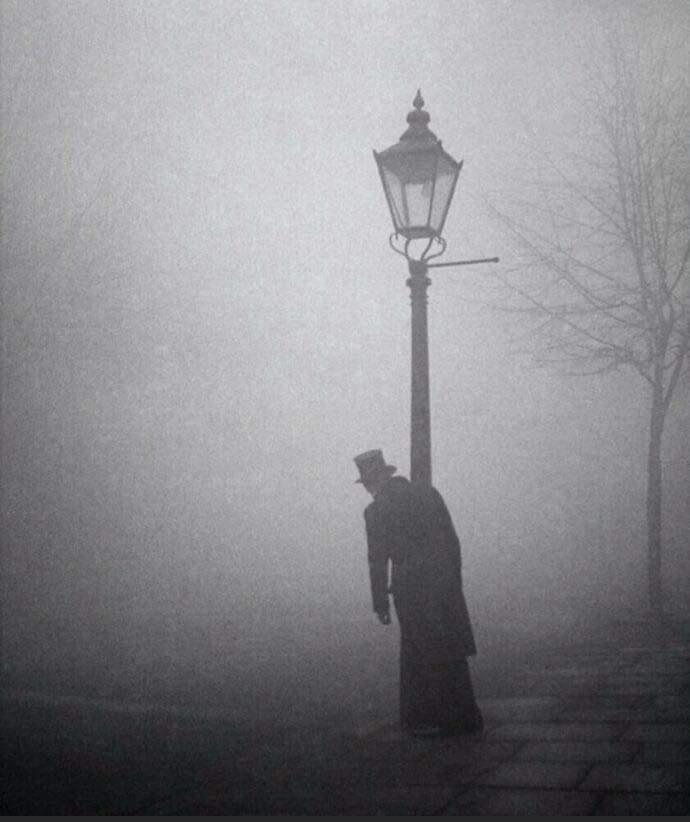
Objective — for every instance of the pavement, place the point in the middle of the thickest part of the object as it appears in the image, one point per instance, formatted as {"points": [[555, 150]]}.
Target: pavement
{"points": [[602, 728]]}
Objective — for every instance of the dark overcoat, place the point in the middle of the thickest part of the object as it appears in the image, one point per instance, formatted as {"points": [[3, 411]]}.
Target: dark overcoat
{"points": [[410, 531]]}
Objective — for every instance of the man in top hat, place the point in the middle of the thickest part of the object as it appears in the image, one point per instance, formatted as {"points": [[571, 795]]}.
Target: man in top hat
{"points": [[410, 532]]}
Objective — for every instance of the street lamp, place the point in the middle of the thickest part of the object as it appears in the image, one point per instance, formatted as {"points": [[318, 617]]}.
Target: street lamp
{"points": [[419, 179]]}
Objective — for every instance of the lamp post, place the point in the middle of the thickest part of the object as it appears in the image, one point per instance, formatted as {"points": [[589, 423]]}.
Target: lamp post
{"points": [[419, 179]]}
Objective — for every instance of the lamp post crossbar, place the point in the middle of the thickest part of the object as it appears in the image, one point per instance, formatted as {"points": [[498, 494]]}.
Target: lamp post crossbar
{"points": [[464, 262]]}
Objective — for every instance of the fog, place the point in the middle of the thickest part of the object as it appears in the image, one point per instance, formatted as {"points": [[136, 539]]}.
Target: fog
{"points": [[203, 323]]}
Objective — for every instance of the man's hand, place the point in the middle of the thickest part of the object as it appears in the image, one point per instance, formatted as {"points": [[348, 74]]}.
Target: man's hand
{"points": [[384, 617]]}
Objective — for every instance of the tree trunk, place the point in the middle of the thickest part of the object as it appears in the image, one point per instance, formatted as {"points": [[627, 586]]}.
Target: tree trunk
{"points": [[654, 491]]}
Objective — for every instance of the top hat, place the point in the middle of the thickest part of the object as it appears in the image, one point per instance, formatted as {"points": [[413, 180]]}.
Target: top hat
{"points": [[372, 465]]}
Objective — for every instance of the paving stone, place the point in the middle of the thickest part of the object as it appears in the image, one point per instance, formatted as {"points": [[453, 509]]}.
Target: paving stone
{"points": [[658, 732], [375, 748], [308, 798], [673, 713], [574, 672], [649, 679], [593, 751], [213, 798], [671, 665], [353, 773], [675, 716], [604, 700], [522, 802], [542, 685], [656, 779], [673, 685], [643, 804], [534, 775], [672, 702], [558, 731], [663, 753], [381, 730], [462, 764], [631, 689], [520, 709], [609, 715], [401, 801], [459, 750]]}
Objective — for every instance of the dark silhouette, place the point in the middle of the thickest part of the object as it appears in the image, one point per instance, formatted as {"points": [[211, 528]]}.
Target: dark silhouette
{"points": [[410, 530]]}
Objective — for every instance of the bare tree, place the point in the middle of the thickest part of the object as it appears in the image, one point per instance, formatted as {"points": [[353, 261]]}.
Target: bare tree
{"points": [[604, 272]]}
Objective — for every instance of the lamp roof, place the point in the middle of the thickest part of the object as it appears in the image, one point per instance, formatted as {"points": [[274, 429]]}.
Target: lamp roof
{"points": [[418, 129]]}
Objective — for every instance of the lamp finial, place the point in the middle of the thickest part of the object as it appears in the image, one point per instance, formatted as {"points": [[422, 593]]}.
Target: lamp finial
{"points": [[418, 121]]}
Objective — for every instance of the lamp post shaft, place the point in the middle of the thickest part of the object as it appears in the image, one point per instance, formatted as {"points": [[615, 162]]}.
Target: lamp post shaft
{"points": [[420, 417]]}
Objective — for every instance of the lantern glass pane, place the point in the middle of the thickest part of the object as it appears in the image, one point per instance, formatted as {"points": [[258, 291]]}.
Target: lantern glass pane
{"points": [[445, 179], [408, 176], [418, 201], [394, 192]]}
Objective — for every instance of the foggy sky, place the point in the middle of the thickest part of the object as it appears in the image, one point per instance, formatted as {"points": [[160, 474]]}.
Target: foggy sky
{"points": [[203, 322]]}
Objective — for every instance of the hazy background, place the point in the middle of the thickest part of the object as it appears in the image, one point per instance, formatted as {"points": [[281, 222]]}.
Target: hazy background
{"points": [[203, 324]]}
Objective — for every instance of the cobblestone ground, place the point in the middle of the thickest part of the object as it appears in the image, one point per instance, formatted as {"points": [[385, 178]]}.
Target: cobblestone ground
{"points": [[602, 729]]}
